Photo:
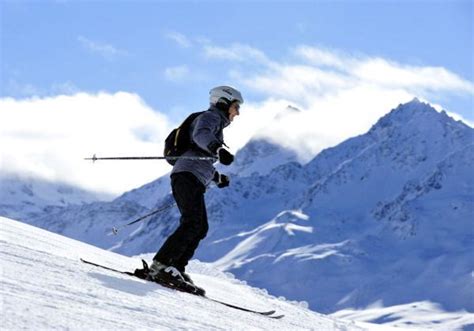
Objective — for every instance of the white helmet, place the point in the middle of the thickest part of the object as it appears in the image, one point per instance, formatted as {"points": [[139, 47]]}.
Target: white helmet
{"points": [[229, 94]]}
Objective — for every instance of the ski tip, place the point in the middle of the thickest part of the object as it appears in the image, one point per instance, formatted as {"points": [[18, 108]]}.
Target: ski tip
{"points": [[270, 314]]}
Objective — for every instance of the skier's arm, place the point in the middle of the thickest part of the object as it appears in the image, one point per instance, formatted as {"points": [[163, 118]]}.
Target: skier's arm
{"points": [[204, 133]]}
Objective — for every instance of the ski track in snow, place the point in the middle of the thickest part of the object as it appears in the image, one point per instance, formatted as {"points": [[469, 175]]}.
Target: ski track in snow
{"points": [[45, 286]]}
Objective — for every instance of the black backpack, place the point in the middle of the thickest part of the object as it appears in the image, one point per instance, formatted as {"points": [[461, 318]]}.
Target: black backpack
{"points": [[179, 140]]}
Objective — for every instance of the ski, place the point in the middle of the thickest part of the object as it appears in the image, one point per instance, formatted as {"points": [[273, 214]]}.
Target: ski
{"points": [[143, 277], [108, 268], [269, 314], [263, 313]]}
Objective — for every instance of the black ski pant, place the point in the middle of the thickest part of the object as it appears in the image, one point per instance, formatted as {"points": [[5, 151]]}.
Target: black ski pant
{"points": [[179, 248]]}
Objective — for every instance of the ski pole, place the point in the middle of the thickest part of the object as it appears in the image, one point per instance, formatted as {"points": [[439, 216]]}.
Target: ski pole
{"points": [[95, 158], [115, 230]]}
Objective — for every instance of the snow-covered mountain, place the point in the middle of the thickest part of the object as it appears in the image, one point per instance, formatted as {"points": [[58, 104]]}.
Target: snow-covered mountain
{"points": [[45, 286], [258, 156], [24, 197], [383, 217], [148, 194]]}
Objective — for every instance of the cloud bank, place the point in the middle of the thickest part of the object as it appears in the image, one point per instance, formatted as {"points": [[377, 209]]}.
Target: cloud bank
{"points": [[339, 95], [49, 137]]}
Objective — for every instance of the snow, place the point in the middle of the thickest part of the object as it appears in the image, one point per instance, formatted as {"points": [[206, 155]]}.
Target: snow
{"points": [[416, 315], [45, 286]]}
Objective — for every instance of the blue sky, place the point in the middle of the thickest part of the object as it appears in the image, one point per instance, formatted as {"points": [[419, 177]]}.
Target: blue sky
{"points": [[113, 77], [62, 46]]}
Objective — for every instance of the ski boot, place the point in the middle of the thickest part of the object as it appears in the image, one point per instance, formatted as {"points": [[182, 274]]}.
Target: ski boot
{"points": [[171, 277]]}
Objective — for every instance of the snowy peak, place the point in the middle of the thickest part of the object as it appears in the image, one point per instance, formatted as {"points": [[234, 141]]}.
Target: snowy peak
{"points": [[406, 112], [289, 110], [412, 136], [417, 115], [415, 133], [260, 156]]}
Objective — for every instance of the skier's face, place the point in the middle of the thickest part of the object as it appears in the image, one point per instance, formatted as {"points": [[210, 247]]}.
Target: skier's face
{"points": [[234, 110]]}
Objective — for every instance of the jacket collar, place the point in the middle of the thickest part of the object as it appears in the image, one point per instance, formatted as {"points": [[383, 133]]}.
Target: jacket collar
{"points": [[222, 114]]}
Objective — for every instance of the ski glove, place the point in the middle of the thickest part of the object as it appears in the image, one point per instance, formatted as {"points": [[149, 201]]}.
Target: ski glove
{"points": [[225, 157], [221, 180]]}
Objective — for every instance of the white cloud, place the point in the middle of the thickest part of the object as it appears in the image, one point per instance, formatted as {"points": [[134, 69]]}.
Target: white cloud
{"points": [[49, 137], [302, 27], [179, 39], [14, 87], [386, 73], [325, 122], [393, 75], [177, 73], [236, 52], [341, 95], [323, 57], [105, 50], [297, 82]]}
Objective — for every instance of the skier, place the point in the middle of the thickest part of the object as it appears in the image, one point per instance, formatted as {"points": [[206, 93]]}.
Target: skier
{"points": [[189, 179]]}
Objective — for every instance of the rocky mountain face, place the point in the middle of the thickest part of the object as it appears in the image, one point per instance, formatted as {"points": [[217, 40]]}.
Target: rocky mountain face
{"points": [[386, 216]]}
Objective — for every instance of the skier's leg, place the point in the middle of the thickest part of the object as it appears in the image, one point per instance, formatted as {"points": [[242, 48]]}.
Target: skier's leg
{"points": [[189, 195], [194, 243]]}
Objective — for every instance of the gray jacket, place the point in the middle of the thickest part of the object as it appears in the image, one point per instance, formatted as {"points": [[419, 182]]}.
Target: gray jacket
{"points": [[206, 129]]}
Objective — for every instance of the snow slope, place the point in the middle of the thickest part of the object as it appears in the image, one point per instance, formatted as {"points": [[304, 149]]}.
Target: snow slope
{"points": [[45, 286]]}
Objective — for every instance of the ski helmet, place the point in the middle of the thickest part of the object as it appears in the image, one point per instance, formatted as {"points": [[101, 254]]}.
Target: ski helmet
{"points": [[224, 94]]}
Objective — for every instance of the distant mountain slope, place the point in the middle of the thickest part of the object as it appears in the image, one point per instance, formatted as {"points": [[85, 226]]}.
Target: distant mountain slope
{"points": [[25, 197], [148, 194], [259, 156]]}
